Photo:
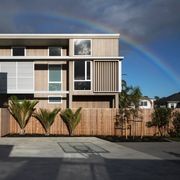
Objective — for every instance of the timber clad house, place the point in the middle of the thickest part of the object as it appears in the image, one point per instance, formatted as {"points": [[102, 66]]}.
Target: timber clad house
{"points": [[61, 70]]}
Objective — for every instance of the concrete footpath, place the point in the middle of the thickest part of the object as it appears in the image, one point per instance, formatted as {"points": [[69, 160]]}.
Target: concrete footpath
{"points": [[84, 158]]}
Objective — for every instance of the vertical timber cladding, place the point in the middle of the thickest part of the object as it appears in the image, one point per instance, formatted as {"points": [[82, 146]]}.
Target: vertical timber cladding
{"points": [[106, 76]]}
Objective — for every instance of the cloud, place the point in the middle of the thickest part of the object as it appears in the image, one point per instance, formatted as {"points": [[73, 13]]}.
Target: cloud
{"points": [[139, 19]]}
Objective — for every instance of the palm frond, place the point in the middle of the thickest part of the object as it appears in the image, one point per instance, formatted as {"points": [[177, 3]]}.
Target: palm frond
{"points": [[21, 110], [46, 117], [71, 119]]}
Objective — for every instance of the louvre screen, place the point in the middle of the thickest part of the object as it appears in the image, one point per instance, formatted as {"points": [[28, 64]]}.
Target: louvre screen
{"points": [[19, 76], [106, 76]]}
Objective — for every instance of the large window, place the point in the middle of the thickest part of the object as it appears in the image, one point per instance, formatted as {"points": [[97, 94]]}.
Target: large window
{"points": [[54, 51], [18, 51], [82, 75], [82, 47], [55, 78]]}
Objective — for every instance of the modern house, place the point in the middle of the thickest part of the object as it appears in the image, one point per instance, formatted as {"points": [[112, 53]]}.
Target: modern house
{"points": [[64, 70]]}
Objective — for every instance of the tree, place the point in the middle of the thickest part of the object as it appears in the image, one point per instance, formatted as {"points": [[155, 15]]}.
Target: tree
{"points": [[71, 119], [176, 123], [46, 118], [129, 102], [160, 119], [21, 110]]}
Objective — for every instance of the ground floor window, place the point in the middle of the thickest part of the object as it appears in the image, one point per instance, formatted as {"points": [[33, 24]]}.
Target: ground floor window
{"points": [[54, 99]]}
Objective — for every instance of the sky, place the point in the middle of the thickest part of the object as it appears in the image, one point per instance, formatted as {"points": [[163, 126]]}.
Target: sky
{"points": [[149, 33]]}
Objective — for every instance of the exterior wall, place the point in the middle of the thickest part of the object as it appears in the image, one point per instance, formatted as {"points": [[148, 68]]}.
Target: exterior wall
{"points": [[105, 47], [102, 46], [5, 51], [31, 51], [172, 104], [41, 77], [37, 51], [43, 102], [93, 101], [41, 84], [150, 104]]}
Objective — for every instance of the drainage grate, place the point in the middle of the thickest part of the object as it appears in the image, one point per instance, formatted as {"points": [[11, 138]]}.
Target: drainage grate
{"points": [[81, 147]]}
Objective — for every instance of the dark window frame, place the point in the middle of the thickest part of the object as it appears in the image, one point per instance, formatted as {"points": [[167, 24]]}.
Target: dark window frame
{"points": [[16, 48], [87, 78]]}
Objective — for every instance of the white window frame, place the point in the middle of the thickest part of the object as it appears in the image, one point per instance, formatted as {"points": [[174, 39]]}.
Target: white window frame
{"points": [[74, 47], [18, 47], [54, 102], [85, 80], [54, 47], [55, 82]]}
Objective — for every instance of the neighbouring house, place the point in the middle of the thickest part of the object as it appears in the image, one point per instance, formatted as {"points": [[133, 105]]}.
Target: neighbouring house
{"points": [[146, 103], [172, 101], [64, 70]]}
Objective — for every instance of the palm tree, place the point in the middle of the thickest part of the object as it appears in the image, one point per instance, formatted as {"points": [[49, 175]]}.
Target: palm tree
{"points": [[46, 118], [21, 110], [71, 119]]}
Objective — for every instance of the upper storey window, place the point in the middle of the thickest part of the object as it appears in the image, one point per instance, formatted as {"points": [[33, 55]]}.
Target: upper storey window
{"points": [[54, 51], [82, 47], [55, 77], [18, 51]]}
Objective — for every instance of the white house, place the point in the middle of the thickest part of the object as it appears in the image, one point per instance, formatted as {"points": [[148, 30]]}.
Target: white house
{"points": [[146, 103]]}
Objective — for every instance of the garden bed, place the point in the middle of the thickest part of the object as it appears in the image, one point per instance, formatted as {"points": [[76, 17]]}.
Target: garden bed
{"points": [[41, 135], [134, 139]]}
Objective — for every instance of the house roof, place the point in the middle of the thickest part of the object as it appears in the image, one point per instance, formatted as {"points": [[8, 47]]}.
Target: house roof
{"points": [[173, 97]]}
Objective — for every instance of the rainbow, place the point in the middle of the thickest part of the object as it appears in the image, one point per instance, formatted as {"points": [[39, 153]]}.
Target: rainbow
{"points": [[100, 28]]}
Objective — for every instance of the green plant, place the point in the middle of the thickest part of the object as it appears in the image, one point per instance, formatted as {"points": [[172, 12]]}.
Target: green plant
{"points": [[160, 119], [71, 119], [176, 123], [128, 103], [21, 110], [46, 118]]}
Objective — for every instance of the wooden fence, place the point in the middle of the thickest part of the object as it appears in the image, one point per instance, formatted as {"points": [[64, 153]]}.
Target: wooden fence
{"points": [[93, 122]]}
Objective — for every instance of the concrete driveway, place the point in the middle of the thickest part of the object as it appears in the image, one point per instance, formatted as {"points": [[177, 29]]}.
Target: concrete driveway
{"points": [[87, 159]]}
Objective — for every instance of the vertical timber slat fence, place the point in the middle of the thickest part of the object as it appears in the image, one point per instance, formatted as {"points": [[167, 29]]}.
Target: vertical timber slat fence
{"points": [[94, 121]]}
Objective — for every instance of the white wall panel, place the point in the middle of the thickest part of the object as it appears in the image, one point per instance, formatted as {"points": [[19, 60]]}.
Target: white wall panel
{"points": [[20, 76]]}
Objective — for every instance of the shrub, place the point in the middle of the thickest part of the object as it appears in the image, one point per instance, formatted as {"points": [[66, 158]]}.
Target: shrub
{"points": [[21, 111], [71, 119], [46, 118], [176, 123], [160, 119]]}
